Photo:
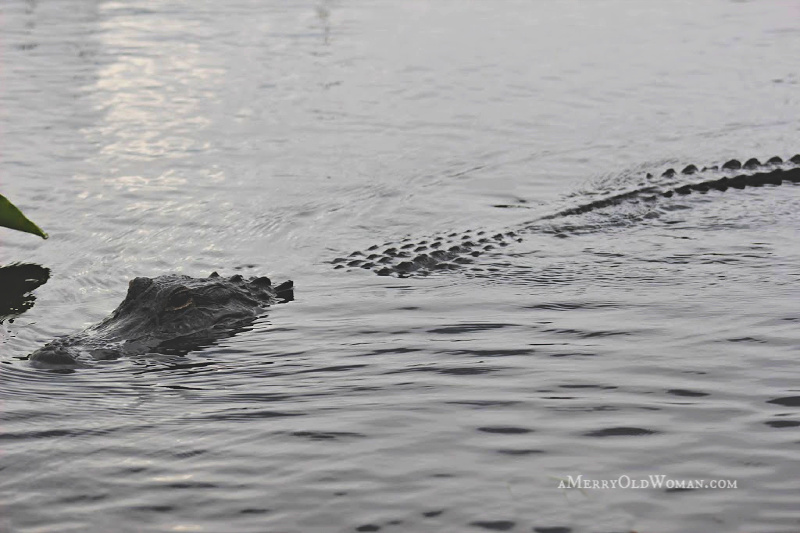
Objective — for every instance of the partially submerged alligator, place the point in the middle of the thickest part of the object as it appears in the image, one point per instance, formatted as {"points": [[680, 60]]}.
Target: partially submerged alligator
{"points": [[168, 314], [448, 252], [176, 314]]}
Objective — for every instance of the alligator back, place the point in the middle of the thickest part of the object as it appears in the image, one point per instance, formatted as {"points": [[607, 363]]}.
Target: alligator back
{"points": [[453, 250]]}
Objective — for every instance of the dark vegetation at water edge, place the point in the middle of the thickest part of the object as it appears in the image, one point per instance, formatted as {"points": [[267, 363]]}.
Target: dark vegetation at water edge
{"points": [[16, 283], [12, 217]]}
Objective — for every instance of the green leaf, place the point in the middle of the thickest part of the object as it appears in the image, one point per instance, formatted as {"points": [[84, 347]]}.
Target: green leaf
{"points": [[11, 217]]}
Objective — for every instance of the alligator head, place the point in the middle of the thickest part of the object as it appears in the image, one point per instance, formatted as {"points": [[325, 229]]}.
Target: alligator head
{"points": [[169, 314]]}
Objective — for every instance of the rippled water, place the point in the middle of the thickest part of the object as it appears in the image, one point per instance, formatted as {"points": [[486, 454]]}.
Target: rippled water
{"points": [[266, 138]]}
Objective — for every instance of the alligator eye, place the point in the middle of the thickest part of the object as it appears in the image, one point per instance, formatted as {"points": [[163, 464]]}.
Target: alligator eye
{"points": [[178, 301]]}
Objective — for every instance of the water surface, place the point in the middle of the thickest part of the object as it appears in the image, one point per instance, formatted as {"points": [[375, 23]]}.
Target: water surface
{"points": [[267, 139]]}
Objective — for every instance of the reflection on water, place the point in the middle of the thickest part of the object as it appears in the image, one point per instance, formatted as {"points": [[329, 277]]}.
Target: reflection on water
{"points": [[262, 138]]}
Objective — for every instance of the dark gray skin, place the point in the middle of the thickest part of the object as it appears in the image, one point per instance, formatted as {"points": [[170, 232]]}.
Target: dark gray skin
{"points": [[168, 314], [419, 257]]}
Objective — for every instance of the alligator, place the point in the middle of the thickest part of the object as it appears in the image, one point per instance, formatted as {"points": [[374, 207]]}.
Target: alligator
{"points": [[175, 314], [171, 314], [413, 257]]}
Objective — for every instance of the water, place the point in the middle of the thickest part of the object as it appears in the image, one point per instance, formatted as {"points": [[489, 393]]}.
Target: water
{"points": [[262, 138]]}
